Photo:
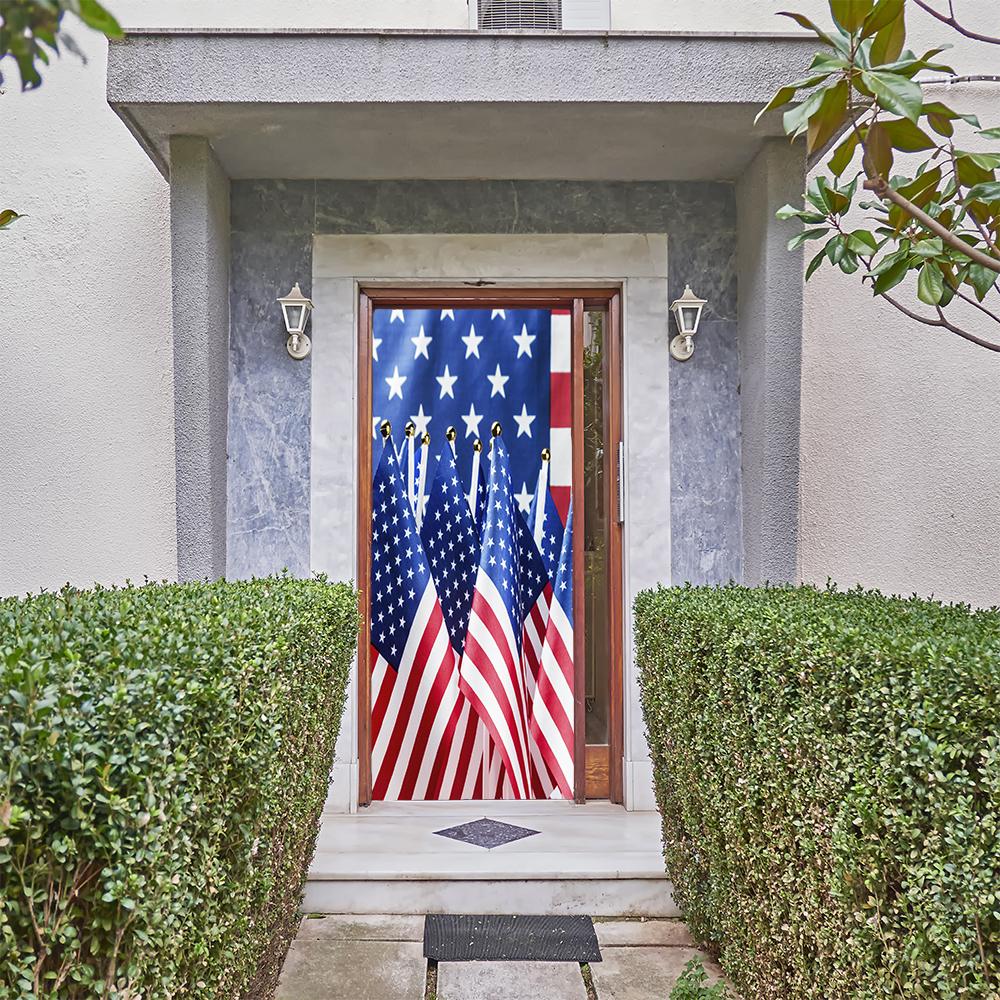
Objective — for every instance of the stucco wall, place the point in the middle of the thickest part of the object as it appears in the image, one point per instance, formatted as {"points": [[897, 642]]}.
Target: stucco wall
{"points": [[900, 472]]}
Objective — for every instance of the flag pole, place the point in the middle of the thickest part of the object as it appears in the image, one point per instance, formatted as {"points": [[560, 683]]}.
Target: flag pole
{"points": [[477, 447], [425, 444], [540, 498], [411, 432]]}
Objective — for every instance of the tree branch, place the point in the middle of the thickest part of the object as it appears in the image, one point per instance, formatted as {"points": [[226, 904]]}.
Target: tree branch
{"points": [[953, 22], [942, 322], [879, 186], [978, 305]]}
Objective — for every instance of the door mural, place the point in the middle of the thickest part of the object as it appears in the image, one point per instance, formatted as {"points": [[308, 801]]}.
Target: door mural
{"points": [[472, 683]]}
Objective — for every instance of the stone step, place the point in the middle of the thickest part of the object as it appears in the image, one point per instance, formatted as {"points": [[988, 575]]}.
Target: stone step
{"points": [[595, 859]]}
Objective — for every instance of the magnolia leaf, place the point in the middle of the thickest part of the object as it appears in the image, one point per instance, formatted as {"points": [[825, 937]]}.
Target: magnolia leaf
{"points": [[844, 153], [920, 183], [807, 234], [937, 108], [895, 93], [797, 119], [930, 284], [878, 152], [804, 21], [972, 169], [987, 191], [940, 124], [95, 16], [829, 117], [861, 241], [888, 42], [907, 137], [881, 15], [848, 262], [982, 279], [815, 263], [850, 14], [8, 217], [891, 276], [780, 99], [990, 133]]}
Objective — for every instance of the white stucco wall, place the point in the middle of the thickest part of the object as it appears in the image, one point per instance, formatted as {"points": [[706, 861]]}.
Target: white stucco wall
{"points": [[901, 470]]}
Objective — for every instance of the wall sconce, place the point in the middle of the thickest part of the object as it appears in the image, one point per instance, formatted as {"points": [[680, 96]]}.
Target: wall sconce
{"points": [[687, 312], [295, 308]]}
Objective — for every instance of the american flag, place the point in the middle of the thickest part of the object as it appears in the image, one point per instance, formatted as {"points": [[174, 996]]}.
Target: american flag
{"points": [[415, 668], [510, 578]]}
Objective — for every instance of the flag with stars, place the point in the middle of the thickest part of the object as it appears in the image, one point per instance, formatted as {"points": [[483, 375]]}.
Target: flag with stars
{"points": [[414, 683], [451, 542], [467, 368], [510, 577]]}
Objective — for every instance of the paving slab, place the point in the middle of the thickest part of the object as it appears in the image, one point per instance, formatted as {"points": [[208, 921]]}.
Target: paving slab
{"points": [[383, 927], [665, 933], [332, 969], [642, 973], [511, 981]]}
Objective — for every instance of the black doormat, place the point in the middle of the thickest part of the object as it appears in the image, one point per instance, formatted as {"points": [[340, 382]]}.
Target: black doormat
{"points": [[485, 938]]}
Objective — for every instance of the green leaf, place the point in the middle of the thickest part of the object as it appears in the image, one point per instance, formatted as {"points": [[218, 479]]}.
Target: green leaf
{"points": [[791, 212], [878, 151], [807, 234], [941, 124], [797, 119], [97, 17], [986, 191], [907, 137], [895, 93], [930, 284], [843, 155], [888, 42], [8, 217], [982, 279], [850, 14], [990, 133], [829, 117], [815, 263], [881, 15], [862, 241], [804, 22], [891, 276], [937, 108]]}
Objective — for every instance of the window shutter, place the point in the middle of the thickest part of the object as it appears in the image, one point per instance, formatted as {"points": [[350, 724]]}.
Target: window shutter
{"points": [[586, 15], [508, 15]]}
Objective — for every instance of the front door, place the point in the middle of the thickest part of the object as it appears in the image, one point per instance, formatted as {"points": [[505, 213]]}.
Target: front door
{"points": [[490, 661]]}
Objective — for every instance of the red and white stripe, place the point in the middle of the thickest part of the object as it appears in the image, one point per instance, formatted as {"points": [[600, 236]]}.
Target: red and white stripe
{"points": [[414, 722], [561, 411]]}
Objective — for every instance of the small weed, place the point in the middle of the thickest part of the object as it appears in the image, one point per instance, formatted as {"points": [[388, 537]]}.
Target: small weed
{"points": [[692, 985]]}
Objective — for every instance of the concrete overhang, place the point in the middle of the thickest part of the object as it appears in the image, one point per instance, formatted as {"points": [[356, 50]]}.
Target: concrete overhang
{"points": [[456, 104]]}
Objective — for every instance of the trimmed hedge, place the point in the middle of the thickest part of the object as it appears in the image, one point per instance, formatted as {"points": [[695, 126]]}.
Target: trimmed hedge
{"points": [[165, 752], [827, 766]]}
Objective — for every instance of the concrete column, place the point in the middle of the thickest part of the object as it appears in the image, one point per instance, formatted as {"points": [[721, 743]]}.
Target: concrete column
{"points": [[770, 339], [199, 230]]}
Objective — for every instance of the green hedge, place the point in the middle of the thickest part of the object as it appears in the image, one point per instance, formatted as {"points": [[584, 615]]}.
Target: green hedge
{"points": [[165, 753], [827, 766]]}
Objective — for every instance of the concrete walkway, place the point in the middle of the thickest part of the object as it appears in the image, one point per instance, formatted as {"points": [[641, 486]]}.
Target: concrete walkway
{"points": [[381, 958]]}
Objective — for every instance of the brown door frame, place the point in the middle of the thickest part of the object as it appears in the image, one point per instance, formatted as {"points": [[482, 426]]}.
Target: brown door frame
{"points": [[577, 301]]}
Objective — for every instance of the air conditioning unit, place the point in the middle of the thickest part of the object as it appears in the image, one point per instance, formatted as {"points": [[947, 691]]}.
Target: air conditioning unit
{"points": [[545, 15]]}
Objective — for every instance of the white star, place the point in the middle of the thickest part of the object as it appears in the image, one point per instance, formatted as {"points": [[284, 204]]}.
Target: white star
{"points": [[502, 313], [447, 382], [375, 422], [395, 382], [421, 420], [472, 343], [523, 498], [447, 312], [472, 421], [375, 342], [523, 421], [397, 314], [498, 380], [420, 342], [524, 341]]}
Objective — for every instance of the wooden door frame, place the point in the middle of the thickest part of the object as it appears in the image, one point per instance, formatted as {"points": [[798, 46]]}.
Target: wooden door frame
{"points": [[577, 300]]}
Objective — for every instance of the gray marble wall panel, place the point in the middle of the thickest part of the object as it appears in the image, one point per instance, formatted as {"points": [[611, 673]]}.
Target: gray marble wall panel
{"points": [[273, 224]]}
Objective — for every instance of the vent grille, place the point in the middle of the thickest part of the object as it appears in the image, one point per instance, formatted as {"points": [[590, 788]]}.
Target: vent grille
{"points": [[509, 15]]}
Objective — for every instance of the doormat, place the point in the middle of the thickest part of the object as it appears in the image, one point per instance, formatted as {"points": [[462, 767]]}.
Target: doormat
{"points": [[492, 938]]}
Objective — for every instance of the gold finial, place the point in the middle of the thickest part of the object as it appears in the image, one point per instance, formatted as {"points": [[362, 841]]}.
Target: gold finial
{"points": [[450, 434], [410, 429], [386, 428], [546, 454], [477, 445], [426, 439], [496, 429]]}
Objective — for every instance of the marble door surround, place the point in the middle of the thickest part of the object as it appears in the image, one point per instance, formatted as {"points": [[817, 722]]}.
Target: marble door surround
{"points": [[637, 262]]}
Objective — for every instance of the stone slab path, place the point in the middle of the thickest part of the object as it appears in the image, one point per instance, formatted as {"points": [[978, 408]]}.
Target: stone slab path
{"points": [[381, 958]]}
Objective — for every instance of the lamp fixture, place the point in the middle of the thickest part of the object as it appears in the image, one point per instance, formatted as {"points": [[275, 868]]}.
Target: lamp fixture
{"points": [[295, 308], [687, 314]]}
